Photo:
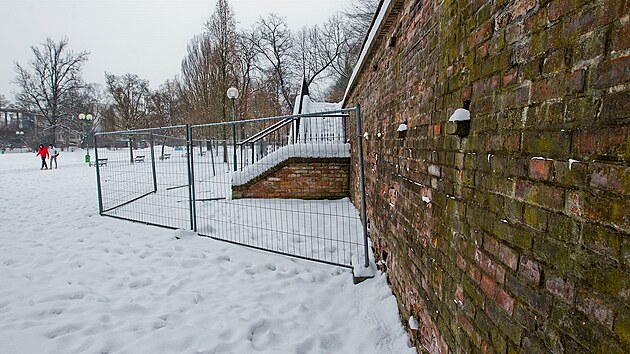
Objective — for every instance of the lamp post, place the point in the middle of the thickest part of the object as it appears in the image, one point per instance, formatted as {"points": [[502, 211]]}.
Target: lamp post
{"points": [[232, 94], [19, 134], [87, 119]]}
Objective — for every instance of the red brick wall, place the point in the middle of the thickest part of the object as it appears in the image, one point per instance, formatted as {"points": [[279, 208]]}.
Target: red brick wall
{"points": [[522, 241], [300, 178]]}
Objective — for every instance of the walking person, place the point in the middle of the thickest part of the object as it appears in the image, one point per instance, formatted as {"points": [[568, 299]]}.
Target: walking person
{"points": [[52, 150], [43, 153]]}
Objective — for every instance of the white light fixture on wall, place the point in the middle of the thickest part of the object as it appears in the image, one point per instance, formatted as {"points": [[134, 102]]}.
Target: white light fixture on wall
{"points": [[459, 121]]}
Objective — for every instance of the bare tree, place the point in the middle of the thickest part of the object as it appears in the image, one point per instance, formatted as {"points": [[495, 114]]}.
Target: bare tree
{"points": [[48, 85], [165, 105], [128, 107], [221, 29], [3, 102], [197, 78], [274, 42], [359, 15]]}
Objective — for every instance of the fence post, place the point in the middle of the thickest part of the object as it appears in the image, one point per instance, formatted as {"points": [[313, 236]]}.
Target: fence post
{"points": [[191, 178], [98, 177], [362, 184], [153, 164], [131, 149]]}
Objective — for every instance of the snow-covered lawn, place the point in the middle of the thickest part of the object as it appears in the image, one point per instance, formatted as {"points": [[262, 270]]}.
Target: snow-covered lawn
{"points": [[72, 281]]}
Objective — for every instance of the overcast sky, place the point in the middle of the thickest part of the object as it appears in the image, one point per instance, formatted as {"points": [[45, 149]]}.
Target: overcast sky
{"points": [[144, 37]]}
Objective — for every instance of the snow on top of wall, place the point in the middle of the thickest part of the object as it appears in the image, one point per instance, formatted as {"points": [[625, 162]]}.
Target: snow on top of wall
{"points": [[297, 150], [366, 46]]}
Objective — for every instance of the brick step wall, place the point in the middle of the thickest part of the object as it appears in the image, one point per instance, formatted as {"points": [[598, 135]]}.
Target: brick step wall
{"points": [[300, 178]]}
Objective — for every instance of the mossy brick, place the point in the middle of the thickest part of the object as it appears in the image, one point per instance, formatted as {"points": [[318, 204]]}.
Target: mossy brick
{"points": [[563, 228], [595, 308], [513, 330], [531, 70], [579, 327], [612, 72], [497, 185], [616, 106], [613, 209], [575, 24], [554, 62], [581, 110], [525, 316], [603, 240], [571, 173], [538, 43], [537, 21], [514, 235], [540, 194], [558, 86], [549, 144], [589, 46], [532, 344], [517, 166], [622, 325], [567, 259], [473, 292], [601, 142], [514, 210], [620, 37], [555, 113], [536, 218], [611, 280]]}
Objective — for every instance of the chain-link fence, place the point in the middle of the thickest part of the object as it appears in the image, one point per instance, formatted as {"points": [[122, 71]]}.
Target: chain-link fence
{"points": [[279, 184]]}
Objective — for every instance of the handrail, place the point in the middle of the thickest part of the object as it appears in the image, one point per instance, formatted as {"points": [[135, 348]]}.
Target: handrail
{"points": [[270, 129]]}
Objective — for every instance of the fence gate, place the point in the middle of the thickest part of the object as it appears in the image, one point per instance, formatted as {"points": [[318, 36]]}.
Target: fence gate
{"points": [[188, 176]]}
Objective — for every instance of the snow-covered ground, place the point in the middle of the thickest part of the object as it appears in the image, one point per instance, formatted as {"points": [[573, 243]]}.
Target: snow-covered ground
{"points": [[73, 281]]}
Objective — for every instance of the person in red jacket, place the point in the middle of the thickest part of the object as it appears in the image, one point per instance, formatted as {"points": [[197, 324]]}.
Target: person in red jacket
{"points": [[43, 153]]}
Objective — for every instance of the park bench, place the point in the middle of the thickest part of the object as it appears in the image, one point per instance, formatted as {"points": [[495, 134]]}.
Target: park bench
{"points": [[165, 157], [99, 162], [139, 158], [203, 153]]}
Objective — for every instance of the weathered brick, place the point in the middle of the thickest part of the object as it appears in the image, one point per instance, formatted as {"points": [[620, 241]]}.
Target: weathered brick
{"points": [[610, 177], [538, 301], [622, 326], [558, 86], [616, 106], [620, 38], [607, 142], [536, 218], [571, 173], [595, 308], [603, 240], [530, 270], [547, 144], [505, 301], [513, 234], [564, 228], [538, 194], [508, 256], [612, 72], [560, 288], [488, 286], [541, 168]]}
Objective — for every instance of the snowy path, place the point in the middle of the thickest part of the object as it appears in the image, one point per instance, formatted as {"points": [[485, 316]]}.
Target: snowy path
{"points": [[73, 281]]}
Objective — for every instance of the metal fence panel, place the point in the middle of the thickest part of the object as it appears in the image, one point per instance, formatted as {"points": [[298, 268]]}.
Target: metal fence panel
{"points": [[144, 176], [188, 174]]}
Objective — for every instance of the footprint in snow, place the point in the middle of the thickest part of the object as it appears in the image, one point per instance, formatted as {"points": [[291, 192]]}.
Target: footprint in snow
{"points": [[63, 330]]}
